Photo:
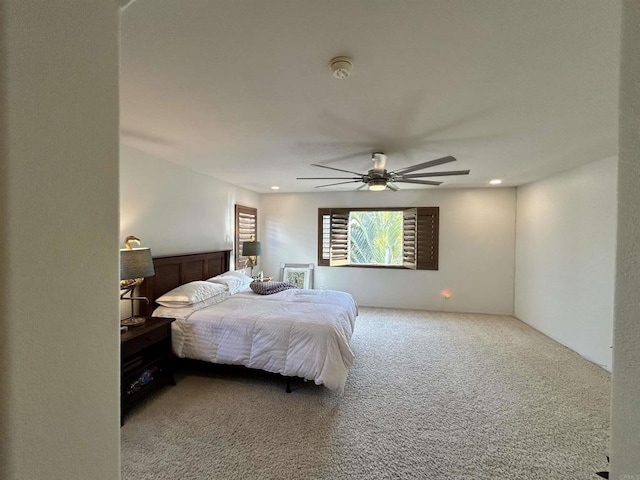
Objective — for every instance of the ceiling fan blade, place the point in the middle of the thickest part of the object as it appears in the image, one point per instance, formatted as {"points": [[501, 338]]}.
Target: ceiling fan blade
{"points": [[436, 174], [328, 178], [420, 166], [339, 183], [337, 169], [392, 187], [419, 182], [360, 187]]}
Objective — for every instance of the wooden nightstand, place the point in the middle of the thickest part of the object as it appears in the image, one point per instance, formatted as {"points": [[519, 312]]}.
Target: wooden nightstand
{"points": [[145, 361]]}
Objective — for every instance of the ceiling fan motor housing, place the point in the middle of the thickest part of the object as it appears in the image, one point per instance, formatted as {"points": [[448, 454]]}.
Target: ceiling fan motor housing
{"points": [[378, 157]]}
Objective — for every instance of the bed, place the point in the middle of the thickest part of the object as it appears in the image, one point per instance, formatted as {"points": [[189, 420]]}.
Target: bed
{"points": [[295, 332]]}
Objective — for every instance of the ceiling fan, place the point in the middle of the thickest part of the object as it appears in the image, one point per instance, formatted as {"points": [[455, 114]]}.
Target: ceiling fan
{"points": [[378, 178]]}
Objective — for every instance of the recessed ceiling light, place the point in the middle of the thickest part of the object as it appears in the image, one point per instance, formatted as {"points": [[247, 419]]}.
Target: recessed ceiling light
{"points": [[275, 187], [495, 181]]}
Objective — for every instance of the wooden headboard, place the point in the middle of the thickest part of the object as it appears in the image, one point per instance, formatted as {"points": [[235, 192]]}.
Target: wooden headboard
{"points": [[180, 269]]}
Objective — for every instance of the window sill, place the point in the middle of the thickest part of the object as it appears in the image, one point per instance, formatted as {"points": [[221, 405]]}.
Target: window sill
{"points": [[359, 265]]}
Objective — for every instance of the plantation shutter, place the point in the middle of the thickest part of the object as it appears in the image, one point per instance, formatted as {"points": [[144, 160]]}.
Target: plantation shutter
{"points": [[420, 238], [324, 237], [409, 240], [339, 237], [246, 230], [333, 237]]}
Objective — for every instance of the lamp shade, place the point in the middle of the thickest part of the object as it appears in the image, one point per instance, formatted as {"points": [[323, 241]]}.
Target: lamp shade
{"points": [[251, 249], [136, 263]]}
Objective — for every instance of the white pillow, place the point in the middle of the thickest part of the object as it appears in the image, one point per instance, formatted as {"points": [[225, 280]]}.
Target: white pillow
{"points": [[234, 273], [233, 281], [183, 312], [192, 292]]}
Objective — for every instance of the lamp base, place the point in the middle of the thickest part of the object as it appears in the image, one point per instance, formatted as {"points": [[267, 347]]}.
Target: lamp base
{"points": [[133, 321]]}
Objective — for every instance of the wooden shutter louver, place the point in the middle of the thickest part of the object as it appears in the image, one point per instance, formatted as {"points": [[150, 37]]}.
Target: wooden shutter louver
{"points": [[246, 230], [333, 237], [324, 237], [409, 240], [425, 233], [339, 238]]}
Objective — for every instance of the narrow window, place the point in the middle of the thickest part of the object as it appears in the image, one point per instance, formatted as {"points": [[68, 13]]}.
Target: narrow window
{"points": [[246, 229]]}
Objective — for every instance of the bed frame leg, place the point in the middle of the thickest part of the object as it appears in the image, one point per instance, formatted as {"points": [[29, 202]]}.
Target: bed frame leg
{"points": [[288, 385]]}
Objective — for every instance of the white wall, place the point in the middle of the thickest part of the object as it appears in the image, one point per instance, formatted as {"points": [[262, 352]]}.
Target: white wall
{"points": [[625, 418], [565, 257], [477, 240], [59, 347], [175, 210]]}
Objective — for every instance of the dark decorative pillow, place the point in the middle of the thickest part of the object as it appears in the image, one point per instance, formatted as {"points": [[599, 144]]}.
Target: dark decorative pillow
{"points": [[267, 288]]}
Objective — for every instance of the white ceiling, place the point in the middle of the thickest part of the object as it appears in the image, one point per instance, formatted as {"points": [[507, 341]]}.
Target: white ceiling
{"points": [[241, 90]]}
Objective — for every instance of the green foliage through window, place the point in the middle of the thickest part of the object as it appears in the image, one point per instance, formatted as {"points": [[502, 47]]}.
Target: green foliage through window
{"points": [[375, 238]]}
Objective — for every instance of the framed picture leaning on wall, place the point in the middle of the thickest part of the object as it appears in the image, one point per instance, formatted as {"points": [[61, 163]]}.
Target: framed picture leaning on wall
{"points": [[298, 274]]}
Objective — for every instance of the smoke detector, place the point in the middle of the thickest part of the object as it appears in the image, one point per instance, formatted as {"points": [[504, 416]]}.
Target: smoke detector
{"points": [[341, 67]]}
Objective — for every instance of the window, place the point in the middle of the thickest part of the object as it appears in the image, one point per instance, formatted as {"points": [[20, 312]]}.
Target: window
{"points": [[385, 238], [246, 230]]}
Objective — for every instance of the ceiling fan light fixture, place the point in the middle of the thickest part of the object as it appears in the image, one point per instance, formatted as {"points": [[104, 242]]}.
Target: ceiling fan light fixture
{"points": [[377, 184]]}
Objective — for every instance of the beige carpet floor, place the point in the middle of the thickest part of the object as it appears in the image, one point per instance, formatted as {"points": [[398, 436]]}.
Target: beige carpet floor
{"points": [[431, 396]]}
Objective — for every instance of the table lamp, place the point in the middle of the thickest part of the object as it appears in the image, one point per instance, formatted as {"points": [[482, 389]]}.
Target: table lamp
{"points": [[135, 265], [251, 250]]}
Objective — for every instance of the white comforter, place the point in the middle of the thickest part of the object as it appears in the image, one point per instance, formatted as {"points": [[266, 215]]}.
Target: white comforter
{"points": [[303, 333]]}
